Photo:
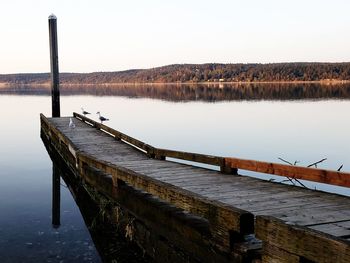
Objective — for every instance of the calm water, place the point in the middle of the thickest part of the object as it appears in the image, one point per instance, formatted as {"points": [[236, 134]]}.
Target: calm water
{"points": [[302, 130]]}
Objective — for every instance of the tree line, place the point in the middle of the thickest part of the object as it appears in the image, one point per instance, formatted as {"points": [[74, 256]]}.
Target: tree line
{"points": [[198, 73]]}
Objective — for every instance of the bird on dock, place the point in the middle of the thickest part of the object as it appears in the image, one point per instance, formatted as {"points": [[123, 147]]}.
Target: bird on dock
{"points": [[71, 123], [102, 119], [84, 111]]}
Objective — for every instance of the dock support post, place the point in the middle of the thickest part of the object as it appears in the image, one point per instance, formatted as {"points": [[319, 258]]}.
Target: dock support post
{"points": [[56, 196], [55, 91]]}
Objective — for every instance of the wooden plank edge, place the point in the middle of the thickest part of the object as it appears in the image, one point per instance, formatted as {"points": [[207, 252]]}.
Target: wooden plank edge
{"points": [[302, 241], [52, 129]]}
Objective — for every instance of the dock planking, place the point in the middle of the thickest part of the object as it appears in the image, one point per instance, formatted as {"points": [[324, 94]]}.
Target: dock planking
{"points": [[229, 202]]}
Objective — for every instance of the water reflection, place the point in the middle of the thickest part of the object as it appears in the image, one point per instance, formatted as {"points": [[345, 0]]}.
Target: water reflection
{"points": [[56, 196], [26, 232], [198, 92]]}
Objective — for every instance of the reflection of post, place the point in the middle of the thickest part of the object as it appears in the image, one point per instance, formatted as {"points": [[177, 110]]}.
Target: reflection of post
{"points": [[56, 196]]}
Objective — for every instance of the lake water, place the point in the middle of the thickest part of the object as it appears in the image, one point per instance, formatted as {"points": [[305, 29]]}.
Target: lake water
{"points": [[217, 123]]}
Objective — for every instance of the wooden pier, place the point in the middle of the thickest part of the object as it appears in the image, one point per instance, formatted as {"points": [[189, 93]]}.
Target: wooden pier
{"points": [[181, 212]]}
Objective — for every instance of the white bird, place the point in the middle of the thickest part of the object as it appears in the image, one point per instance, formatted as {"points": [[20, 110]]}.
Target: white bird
{"points": [[102, 119], [71, 123], [84, 112]]}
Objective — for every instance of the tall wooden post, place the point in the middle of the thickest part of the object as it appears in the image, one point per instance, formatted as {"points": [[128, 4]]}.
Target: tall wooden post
{"points": [[55, 91]]}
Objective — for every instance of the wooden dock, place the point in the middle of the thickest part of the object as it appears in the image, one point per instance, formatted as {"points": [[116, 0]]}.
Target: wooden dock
{"points": [[207, 215]]}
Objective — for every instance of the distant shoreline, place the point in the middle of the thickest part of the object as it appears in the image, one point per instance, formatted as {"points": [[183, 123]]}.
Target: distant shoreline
{"points": [[322, 82]]}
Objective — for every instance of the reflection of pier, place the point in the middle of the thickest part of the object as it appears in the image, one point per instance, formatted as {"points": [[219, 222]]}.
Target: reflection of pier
{"points": [[56, 197], [186, 213]]}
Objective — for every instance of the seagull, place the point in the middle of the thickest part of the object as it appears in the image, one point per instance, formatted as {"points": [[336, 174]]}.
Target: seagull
{"points": [[84, 112], [71, 123], [102, 119]]}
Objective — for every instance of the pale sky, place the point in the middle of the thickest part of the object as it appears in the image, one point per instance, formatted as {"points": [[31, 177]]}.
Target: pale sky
{"points": [[111, 35]]}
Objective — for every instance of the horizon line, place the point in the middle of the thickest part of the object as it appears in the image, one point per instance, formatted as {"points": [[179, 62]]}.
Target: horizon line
{"points": [[174, 64]]}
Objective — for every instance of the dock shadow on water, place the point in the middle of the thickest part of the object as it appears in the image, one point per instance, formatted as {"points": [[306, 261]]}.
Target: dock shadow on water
{"points": [[96, 211]]}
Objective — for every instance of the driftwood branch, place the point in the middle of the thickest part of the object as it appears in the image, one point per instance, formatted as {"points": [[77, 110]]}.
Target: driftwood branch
{"points": [[315, 163], [300, 183], [289, 178], [285, 161]]}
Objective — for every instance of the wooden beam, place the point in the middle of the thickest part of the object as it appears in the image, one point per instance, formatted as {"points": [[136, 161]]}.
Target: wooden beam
{"points": [[298, 172], [272, 254], [194, 157], [304, 242]]}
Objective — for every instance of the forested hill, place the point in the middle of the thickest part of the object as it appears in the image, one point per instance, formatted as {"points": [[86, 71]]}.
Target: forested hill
{"points": [[198, 73]]}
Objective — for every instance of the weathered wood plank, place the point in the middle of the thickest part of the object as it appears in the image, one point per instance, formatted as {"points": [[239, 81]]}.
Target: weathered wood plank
{"points": [[338, 229], [164, 172], [193, 157], [250, 191], [263, 201], [278, 206], [310, 244], [272, 254], [319, 215], [295, 203]]}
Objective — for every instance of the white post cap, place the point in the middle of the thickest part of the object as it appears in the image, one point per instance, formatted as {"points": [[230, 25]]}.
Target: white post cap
{"points": [[52, 16]]}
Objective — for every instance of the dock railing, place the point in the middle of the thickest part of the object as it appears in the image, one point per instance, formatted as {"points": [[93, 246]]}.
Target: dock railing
{"points": [[229, 164]]}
